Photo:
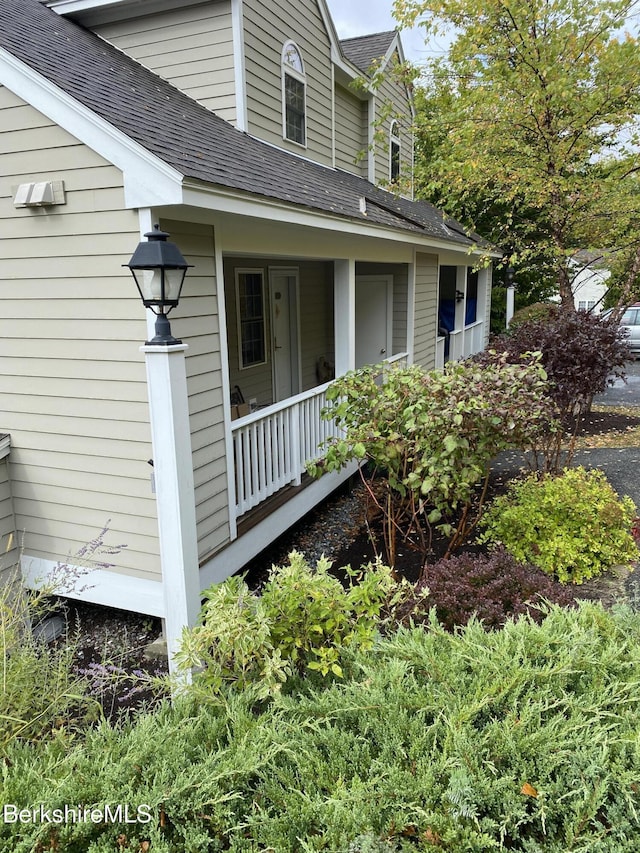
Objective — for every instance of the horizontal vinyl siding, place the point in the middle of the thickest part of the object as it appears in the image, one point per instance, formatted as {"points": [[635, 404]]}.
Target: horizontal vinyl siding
{"points": [[351, 132], [267, 26], [426, 308], [400, 304], [8, 539], [192, 48], [392, 92], [73, 390], [196, 322]]}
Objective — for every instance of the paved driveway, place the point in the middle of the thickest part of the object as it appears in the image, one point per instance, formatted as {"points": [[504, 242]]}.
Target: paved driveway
{"points": [[624, 393], [621, 465]]}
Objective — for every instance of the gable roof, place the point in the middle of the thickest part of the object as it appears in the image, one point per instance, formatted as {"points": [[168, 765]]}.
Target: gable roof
{"points": [[190, 138], [363, 51]]}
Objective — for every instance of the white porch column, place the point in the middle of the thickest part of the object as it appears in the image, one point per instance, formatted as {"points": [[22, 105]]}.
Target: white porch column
{"points": [[345, 315], [173, 470], [484, 302], [511, 296]]}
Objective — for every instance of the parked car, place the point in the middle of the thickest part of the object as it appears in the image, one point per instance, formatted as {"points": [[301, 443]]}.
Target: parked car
{"points": [[630, 322]]}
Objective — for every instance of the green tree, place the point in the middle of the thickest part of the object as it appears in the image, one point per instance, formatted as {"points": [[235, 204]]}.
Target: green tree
{"points": [[527, 129]]}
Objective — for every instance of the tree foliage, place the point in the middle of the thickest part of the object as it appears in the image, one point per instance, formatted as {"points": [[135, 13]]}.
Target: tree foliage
{"points": [[526, 130]]}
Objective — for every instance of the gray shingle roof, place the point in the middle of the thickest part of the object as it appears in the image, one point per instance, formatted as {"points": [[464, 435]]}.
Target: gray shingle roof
{"points": [[189, 137], [362, 51]]}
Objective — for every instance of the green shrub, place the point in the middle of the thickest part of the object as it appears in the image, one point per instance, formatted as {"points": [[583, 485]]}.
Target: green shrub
{"points": [[573, 526], [38, 691], [429, 439], [302, 620], [523, 739], [536, 312]]}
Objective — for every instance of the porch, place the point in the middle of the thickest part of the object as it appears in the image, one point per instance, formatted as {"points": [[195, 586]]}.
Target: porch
{"points": [[272, 446], [462, 343], [462, 319]]}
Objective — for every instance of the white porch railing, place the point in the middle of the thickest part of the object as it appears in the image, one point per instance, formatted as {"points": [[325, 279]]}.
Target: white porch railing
{"points": [[462, 343], [473, 338], [272, 445], [456, 345]]}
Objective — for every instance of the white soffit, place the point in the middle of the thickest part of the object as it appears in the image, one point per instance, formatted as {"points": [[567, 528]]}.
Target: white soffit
{"points": [[91, 12]]}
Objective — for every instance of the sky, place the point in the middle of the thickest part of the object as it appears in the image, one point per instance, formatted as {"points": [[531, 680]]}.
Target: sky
{"points": [[362, 17]]}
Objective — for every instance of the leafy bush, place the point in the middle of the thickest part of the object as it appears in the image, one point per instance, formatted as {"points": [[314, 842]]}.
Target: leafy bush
{"points": [[522, 739], [573, 526], [39, 694], [430, 438], [538, 311], [302, 620], [493, 588], [581, 353]]}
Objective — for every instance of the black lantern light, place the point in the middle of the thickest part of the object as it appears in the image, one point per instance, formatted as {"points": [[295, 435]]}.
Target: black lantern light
{"points": [[510, 275], [158, 269]]}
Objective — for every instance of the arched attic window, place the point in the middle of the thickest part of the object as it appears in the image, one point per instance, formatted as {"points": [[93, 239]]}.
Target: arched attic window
{"points": [[293, 95], [394, 151]]}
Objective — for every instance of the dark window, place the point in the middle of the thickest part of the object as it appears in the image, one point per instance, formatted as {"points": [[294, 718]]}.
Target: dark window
{"points": [[293, 94], [294, 109], [394, 151], [250, 302]]}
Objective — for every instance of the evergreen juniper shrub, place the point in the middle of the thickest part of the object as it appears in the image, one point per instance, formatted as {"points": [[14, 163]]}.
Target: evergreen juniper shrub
{"points": [[494, 587], [522, 739]]}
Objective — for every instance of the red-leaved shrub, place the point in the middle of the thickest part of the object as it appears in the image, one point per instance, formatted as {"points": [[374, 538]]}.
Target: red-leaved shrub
{"points": [[494, 587]]}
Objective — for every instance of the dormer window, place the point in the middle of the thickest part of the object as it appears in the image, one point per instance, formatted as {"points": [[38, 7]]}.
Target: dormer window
{"points": [[293, 95], [394, 151]]}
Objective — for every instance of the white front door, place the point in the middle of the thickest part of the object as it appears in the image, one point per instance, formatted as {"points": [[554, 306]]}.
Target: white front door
{"points": [[374, 317], [283, 286]]}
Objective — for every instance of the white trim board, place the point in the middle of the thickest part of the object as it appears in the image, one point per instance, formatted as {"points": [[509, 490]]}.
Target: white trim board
{"points": [[99, 586]]}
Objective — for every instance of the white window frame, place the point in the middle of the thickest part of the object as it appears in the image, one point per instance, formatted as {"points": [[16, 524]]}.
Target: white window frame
{"points": [[296, 74], [250, 271], [395, 145]]}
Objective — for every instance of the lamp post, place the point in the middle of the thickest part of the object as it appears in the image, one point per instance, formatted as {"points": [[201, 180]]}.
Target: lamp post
{"points": [[511, 289], [158, 269]]}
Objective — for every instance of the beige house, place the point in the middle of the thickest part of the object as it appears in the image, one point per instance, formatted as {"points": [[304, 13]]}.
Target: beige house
{"points": [[249, 132]]}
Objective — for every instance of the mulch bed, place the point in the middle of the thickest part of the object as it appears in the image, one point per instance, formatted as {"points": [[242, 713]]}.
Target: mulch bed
{"points": [[340, 530], [115, 640]]}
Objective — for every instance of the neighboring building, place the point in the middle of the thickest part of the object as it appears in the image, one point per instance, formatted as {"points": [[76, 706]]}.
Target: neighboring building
{"points": [[589, 284], [588, 274], [236, 126]]}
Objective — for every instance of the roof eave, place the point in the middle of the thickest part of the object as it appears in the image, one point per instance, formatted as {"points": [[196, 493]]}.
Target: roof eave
{"points": [[148, 180], [198, 194]]}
